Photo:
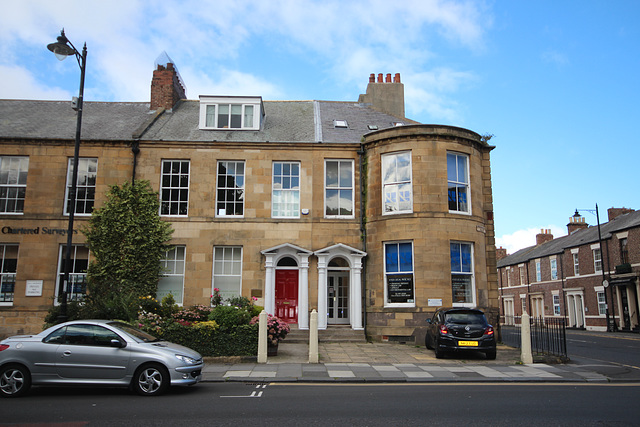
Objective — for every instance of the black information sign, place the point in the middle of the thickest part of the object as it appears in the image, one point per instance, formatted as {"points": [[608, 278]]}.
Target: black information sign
{"points": [[461, 285], [400, 287]]}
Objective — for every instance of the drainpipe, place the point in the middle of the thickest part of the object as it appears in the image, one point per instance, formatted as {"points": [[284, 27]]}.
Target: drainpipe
{"points": [[135, 149], [363, 233]]}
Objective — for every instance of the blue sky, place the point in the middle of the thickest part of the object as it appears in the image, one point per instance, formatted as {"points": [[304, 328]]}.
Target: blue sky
{"points": [[555, 81]]}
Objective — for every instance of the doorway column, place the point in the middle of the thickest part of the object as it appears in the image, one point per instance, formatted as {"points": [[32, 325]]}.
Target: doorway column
{"points": [[303, 292], [355, 297], [269, 297], [322, 292]]}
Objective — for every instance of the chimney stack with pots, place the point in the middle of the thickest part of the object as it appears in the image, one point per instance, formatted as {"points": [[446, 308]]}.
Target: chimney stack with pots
{"points": [[544, 236], [576, 222], [385, 95]]}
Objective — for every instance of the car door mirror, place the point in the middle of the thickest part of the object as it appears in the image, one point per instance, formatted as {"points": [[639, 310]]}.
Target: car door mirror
{"points": [[118, 344], [429, 321]]}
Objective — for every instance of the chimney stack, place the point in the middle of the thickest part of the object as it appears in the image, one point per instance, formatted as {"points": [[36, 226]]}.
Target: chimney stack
{"points": [[576, 222], [544, 236], [385, 95], [166, 87], [616, 212], [501, 253]]}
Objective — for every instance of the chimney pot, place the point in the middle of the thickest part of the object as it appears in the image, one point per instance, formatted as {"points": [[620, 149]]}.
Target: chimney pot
{"points": [[388, 79], [380, 80], [396, 79], [372, 78]]}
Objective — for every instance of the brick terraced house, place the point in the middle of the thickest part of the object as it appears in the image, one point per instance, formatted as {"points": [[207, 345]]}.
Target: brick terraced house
{"points": [[573, 277], [349, 208]]}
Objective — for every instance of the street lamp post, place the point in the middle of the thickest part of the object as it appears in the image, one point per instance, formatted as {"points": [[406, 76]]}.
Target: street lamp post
{"points": [[605, 283], [62, 49]]}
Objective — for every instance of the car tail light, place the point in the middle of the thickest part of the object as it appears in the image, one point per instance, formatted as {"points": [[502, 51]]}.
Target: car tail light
{"points": [[443, 330], [489, 330], [3, 347]]}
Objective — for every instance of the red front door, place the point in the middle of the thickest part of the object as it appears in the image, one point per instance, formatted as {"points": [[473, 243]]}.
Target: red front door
{"points": [[287, 295]]}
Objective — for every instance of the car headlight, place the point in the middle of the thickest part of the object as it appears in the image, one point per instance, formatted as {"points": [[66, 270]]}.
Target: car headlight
{"points": [[186, 359]]}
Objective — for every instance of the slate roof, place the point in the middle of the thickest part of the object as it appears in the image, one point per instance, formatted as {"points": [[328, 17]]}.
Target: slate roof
{"points": [[115, 121], [581, 237], [284, 121]]}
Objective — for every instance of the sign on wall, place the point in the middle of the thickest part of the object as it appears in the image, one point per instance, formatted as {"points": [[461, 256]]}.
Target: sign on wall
{"points": [[400, 288]]}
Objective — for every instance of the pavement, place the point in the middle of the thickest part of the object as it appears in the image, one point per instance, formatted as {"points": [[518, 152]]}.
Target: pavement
{"points": [[393, 362]]}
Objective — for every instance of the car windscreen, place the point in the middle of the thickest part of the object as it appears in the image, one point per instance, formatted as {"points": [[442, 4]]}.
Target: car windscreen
{"points": [[465, 318], [135, 333]]}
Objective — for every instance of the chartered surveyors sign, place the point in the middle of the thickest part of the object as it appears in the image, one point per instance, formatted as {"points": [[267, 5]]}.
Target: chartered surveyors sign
{"points": [[37, 230]]}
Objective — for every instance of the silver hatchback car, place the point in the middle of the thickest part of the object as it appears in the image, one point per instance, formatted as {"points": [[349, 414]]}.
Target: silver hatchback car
{"points": [[95, 352]]}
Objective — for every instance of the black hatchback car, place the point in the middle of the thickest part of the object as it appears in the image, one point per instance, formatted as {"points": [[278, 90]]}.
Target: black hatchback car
{"points": [[460, 329]]}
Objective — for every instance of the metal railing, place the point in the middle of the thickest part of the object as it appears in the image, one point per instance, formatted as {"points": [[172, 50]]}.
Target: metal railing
{"points": [[548, 334]]}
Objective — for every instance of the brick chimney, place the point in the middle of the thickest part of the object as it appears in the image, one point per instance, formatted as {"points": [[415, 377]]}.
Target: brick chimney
{"points": [[501, 253], [616, 212], [385, 95], [166, 87], [576, 222], [543, 237]]}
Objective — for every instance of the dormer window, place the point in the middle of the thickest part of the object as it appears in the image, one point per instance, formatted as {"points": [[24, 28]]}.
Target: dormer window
{"points": [[231, 113]]}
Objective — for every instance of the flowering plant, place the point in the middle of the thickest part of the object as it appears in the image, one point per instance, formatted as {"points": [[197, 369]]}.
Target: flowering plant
{"points": [[277, 329], [216, 298]]}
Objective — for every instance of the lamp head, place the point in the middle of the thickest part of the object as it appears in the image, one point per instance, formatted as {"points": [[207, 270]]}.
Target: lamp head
{"points": [[61, 48]]}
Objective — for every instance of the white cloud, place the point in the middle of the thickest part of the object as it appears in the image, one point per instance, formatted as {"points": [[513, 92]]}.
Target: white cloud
{"points": [[25, 86], [526, 237]]}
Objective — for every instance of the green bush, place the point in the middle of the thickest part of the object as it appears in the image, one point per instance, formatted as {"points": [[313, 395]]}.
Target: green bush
{"points": [[208, 340], [229, 317]]}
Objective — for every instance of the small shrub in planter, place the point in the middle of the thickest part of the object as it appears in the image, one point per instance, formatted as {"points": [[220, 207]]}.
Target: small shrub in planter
{"points": [[277, 329]]}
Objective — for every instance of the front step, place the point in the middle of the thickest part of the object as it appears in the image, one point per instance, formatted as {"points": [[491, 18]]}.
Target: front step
{"points": [[331, 334]]}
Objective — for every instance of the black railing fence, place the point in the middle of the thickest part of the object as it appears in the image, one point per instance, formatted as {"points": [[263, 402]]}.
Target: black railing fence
{"points": [[547, 334]]}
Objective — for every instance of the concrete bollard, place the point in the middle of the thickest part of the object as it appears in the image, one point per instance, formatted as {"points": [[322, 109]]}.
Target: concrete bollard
{"points": [[525, 339], [262, 337], [313, 337]]}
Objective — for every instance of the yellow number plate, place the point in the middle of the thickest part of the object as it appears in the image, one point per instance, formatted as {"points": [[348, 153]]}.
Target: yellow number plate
{"points": [[468, 343]]}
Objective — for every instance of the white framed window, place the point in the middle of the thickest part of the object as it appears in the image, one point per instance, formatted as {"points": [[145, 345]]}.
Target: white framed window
{"points": [[338, 193], [538, 271], [523, 275], [174, 188], [85, 188], [462, 278], [230, 113], [13, 184], [554, 268], [77, 285], [396, 183], [537, 306], [576, 264], [285, 193], [458, 182], [602, 303], [230, 188], [172, 280], [8, 269], [399, 275], [227, 271], [597, 260], [509, 310], [556, 305]]}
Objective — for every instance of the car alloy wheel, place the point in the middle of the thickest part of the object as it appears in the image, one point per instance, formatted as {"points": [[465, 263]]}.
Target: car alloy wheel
{"points": [[151, 380], [15, 380]]}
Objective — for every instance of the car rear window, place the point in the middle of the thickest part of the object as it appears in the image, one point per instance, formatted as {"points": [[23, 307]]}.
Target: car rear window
{"points": [[462, 318]]}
